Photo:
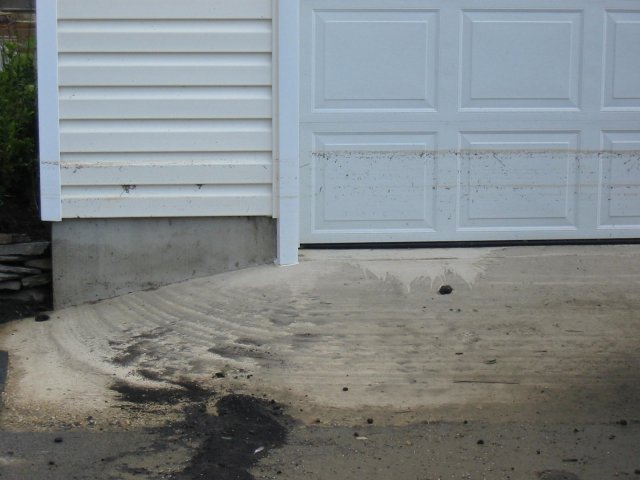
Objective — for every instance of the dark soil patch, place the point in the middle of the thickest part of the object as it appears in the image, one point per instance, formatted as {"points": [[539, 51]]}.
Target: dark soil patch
{"points": [[240, 351], [245, 430], [144, 395], [184, 391], [10, 310], [128, 355]]}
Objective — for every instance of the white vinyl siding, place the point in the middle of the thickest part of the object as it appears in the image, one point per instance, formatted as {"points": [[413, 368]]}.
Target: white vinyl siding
{"points": [[165, 107]]}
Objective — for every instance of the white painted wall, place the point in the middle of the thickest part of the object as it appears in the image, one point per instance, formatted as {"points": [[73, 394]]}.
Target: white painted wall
{"points": [[165, 107]]}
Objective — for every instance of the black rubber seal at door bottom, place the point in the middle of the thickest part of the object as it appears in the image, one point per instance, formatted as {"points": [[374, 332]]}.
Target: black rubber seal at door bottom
{"points": [[468, 244]]}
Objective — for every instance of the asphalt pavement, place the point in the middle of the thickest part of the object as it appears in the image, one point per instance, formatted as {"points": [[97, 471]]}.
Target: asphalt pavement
{"points": [[489, 363]]}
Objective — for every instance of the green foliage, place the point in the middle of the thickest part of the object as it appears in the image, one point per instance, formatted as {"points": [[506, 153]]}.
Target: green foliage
{"points": [[18, 119]]}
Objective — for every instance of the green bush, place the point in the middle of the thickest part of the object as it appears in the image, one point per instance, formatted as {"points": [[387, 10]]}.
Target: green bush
{"points": [[18, 120]]}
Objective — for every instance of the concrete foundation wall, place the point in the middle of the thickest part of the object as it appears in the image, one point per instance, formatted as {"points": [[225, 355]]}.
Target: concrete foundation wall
{"points": [[94, 259]]}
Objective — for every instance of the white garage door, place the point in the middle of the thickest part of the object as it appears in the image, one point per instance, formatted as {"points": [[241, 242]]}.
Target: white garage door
{"points": [[453, 120]]}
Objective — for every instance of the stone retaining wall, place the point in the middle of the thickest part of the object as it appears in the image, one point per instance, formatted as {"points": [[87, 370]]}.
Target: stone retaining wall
{"points": [[25, 269]]}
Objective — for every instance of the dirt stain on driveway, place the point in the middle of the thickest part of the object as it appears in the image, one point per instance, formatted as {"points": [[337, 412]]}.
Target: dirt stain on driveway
{"points": [[230, 434]]}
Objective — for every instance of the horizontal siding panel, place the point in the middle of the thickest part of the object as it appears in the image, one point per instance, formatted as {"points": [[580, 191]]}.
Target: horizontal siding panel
{"points": [[165, 191], [168, 102], [166, 201], [151, 25], [165, 125], [83, 174], [165, 69], [165, 141], [141, 109], [151, 159], [163, 9], [142, 37], [160, 93], [169, 59], [164, 75], [170, 207]]}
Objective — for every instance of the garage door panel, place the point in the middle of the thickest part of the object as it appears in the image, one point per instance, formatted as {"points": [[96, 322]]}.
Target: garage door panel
{"points": [[455, 120], [372, 182], [505, 190], [512, 180], [620, 180], [361, 59], [521, 59], [622, 74]]}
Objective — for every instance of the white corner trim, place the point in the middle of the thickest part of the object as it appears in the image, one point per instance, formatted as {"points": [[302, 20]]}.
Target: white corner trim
{"points": [[48, 110], [288, 87], [275, 109]]}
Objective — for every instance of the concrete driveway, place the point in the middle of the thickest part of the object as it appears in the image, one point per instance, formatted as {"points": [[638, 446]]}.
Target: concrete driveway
{"points": [[354, 365]]}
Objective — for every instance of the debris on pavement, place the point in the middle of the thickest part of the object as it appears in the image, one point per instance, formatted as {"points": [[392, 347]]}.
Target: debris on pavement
{"points": [[557, 475]]}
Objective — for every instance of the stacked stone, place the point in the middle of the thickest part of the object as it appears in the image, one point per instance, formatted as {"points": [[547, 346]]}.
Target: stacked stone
{"points": [[25, 269]]}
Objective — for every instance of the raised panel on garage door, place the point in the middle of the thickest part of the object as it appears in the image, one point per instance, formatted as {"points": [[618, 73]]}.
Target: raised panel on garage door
{"points": [[361, 59], [622, 74], [521, 59], [369, 184], [452, 120], [620, 181], [501, 186]]}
